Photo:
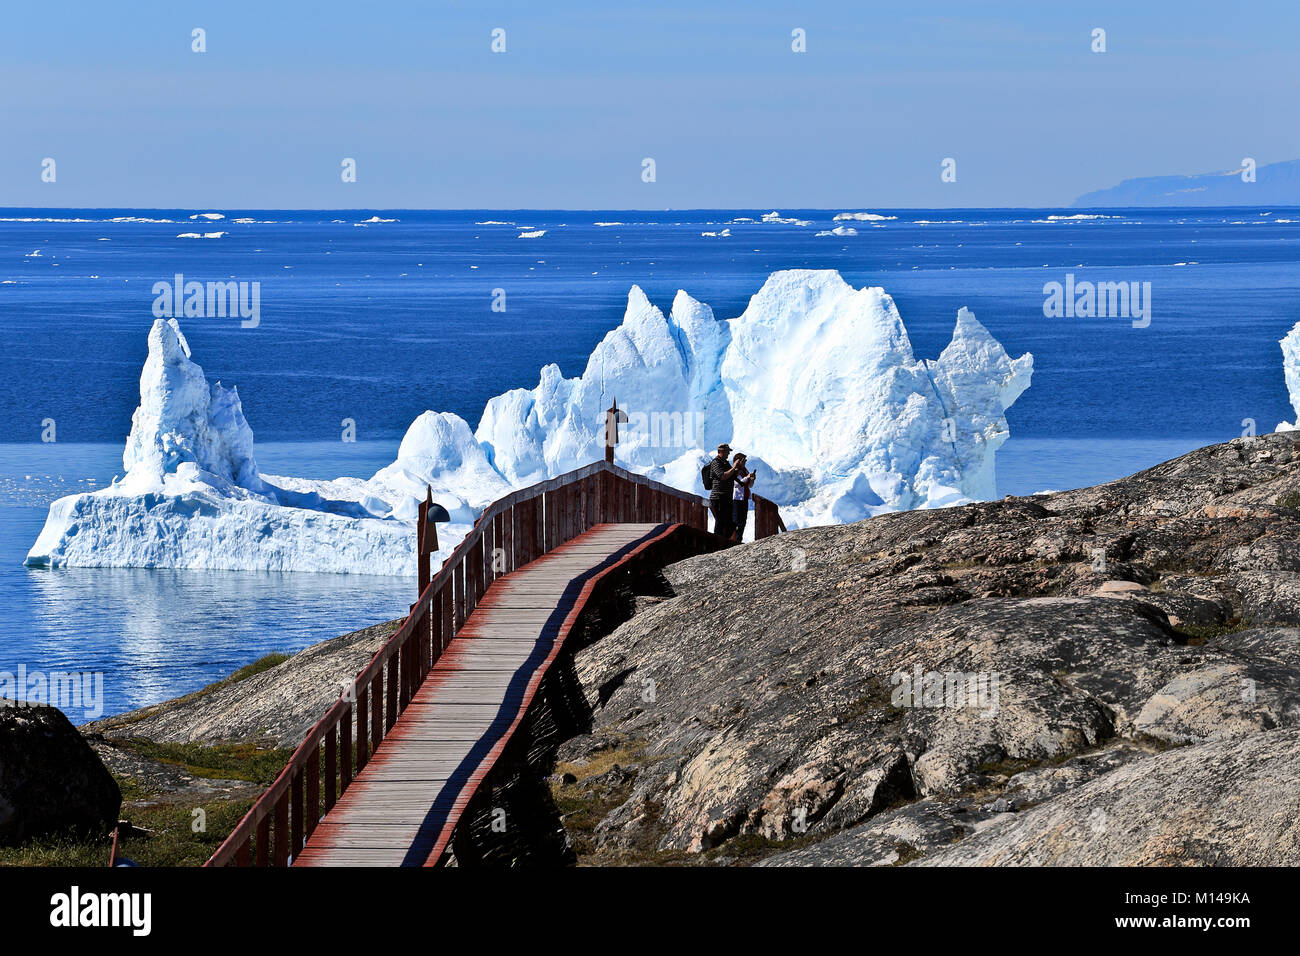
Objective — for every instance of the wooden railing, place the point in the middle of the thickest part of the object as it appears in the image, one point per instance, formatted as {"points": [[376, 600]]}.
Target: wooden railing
{"points": [[508, 534]]}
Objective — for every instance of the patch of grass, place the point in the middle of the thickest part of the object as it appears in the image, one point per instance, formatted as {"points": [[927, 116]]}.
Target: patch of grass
{"points": [[1196, 635], [163, 834], [65, 850], [258, 765], [1289, 500], [582, 810], [264, 663], [1157, 745], [630, 752], [170, 839], [1010, 766]]}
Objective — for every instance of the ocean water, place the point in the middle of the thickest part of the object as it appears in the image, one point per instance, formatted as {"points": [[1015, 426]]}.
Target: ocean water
{"points": [[376, 321]]}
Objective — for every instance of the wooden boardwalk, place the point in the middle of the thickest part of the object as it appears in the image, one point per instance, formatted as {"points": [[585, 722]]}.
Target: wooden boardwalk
{"points": [[404, 804]]}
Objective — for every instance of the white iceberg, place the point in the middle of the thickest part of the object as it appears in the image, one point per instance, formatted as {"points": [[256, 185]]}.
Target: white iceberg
{"points": [[1291, 371], [815, 380], [192, 496]]}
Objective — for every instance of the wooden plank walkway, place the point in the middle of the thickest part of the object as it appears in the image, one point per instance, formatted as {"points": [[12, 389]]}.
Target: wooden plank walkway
{"points": [[403, 806]]}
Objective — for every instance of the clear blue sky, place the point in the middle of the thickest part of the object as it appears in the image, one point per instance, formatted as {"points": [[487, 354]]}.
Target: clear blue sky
{"points": [[585, 91]]}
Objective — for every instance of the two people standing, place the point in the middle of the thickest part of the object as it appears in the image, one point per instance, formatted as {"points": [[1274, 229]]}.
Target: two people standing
{"points": [[729, 486]]}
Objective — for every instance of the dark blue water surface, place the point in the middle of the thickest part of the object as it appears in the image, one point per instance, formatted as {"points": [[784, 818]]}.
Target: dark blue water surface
{"points": [[378, 321]]}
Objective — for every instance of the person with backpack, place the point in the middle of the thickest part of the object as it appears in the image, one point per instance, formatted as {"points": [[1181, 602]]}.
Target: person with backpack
{"points": [[720, 480]]}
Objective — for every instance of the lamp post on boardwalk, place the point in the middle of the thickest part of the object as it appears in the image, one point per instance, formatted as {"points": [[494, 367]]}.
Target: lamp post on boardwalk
{"points": [[613, 418], [426, 536]]}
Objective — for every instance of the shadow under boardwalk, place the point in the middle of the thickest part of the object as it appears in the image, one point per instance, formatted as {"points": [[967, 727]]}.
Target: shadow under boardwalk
{"points": [[403, 806]]}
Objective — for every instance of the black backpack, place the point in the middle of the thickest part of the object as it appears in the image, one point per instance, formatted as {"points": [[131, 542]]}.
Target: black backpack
{"points": [[706, 476]]}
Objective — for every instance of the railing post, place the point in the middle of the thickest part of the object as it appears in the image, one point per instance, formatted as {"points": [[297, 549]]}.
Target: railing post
{"points": [[331, 768], [296, 811], [263, 846], [363, 734], [549, 513], [458, 581], [281, 834], [446, 600], [392, 687], [496, 561], [508, 539], [377, 711], [345, 751], [570, 512]]}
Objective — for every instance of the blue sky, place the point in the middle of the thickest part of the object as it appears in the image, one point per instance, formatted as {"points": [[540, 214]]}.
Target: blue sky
{"points": [[586, 91]]}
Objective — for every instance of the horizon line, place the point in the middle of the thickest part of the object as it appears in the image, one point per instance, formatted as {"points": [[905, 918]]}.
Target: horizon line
{"points": [[774, 207]]}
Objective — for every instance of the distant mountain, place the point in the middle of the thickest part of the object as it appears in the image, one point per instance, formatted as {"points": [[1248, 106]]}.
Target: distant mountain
{"points": [[1277, 184]]}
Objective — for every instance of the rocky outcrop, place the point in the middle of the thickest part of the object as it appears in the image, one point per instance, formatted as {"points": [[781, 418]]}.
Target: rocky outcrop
{"points": [[51, 782], [274, 708], [990, 674], [1227, 803]]}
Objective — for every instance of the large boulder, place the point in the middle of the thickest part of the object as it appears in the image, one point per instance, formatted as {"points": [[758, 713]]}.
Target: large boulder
{"points": [[1058, 647], [50, 779]]}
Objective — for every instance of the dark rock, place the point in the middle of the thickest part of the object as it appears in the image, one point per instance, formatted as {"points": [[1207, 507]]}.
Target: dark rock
{"points": [[50, 780]]}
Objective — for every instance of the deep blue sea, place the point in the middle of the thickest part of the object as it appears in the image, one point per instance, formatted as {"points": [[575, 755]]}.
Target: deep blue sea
{"points": [[378, 321]]}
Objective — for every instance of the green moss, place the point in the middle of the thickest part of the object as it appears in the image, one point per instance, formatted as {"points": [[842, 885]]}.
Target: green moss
{"points": [[1289, 500], [1196, 635], [906, 853]]}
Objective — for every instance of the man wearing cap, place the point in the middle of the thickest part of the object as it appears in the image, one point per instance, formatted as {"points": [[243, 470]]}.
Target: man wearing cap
{"points": [[724, 483]]}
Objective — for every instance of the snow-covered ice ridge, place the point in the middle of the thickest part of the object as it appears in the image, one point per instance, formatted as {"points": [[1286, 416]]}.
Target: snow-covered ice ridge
{"points": [[816, 381]]}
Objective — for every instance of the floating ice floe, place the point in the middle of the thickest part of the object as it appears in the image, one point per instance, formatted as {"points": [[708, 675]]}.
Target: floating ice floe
{"points": [[816, 381], [775, 216], [838, 231], [862, 217]]}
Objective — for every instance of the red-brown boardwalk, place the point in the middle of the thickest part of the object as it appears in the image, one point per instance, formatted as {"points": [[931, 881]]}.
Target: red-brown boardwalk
{"points": [[384, 775], [403, 806]]}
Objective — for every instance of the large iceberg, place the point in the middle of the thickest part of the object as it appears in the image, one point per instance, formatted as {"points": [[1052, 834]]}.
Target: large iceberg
{"points": [[815, 380], [192, 496], [1291, 371]]}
